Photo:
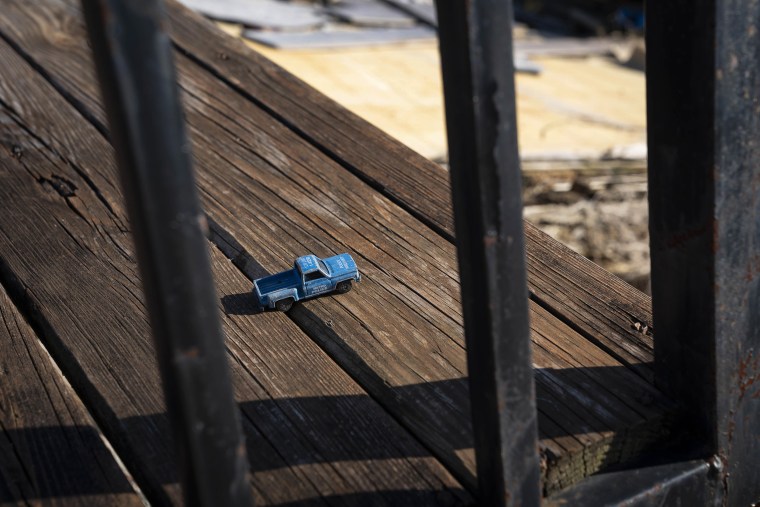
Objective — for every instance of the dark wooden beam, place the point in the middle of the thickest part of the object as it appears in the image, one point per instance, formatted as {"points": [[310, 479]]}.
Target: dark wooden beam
{"points": [[680, 483]]}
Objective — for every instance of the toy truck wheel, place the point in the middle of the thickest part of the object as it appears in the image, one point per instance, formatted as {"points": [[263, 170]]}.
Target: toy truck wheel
{"points": [[284, 305], [343, 287]]}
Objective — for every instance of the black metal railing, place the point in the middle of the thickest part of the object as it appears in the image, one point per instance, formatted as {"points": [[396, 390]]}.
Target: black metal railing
{"points": [[703, 93], [478, 79], [135, 68]]}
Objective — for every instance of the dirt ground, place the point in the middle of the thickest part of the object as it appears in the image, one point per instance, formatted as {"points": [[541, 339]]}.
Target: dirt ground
{"points": [[603, 217]]}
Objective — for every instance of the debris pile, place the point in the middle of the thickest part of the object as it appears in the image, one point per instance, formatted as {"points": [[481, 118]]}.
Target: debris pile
{"points": [[308, 24], [602, 216]]}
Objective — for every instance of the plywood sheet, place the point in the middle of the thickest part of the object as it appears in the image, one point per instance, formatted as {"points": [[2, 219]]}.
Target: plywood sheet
{"points": [[575, 108]]}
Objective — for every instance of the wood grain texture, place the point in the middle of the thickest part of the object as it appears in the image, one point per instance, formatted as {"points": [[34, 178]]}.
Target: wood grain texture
{"points": [[51, 451], [596, 302], [314, 436], [273, 196]]}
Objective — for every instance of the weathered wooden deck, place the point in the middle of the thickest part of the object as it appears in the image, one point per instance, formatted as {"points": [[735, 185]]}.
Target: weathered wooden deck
{"points": [[360, 399]]}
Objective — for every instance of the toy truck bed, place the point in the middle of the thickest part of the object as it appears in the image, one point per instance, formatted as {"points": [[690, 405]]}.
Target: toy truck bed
{"points": [[273, 283]]}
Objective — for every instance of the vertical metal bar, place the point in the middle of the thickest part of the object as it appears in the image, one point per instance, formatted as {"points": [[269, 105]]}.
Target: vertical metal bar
{"points": [[703, 93], [476, 58], [136, 73]]}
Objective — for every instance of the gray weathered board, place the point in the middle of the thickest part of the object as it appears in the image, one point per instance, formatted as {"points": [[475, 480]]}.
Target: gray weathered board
{"points": [[370, 13], [423, 11], [362, 396], [567, 46], [339, 38], [268, 14]]}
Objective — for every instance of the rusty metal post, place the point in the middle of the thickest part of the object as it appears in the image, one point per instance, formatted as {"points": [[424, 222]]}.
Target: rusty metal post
{"points": [[703, 93], [478, 77], [136, 72]]}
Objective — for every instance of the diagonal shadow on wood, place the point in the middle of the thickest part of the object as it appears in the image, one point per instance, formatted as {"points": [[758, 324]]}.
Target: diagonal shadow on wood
{"points": [[605, 416], [46, 462], [329, 417]]}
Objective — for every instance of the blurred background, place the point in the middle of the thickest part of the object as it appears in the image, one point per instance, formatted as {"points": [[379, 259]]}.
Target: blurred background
{"points": [[580, 99]]}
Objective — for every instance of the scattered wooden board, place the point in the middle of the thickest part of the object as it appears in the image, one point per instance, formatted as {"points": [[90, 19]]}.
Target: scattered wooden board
{"points": [[339, 38], [575, 107], [370, 13], [268, 14], [423, 11]]}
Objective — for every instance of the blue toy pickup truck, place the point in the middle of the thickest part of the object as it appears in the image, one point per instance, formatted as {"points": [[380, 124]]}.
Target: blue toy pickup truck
{"points": [[310, 276]]}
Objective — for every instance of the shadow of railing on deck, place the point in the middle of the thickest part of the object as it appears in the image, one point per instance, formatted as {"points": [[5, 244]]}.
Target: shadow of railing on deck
{"points": [[327, 419]]}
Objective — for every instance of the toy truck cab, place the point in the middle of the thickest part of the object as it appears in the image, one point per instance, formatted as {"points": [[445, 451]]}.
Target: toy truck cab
{"points": [[310, 277]]}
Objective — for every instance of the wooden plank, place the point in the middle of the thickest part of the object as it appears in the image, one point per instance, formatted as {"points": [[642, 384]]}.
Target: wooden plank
{"points": [[424, 12], [595, 302], [363, 13], [403, 328], [313, 434], [51, 451], [265, 14], [399, 334], [336, 39]]}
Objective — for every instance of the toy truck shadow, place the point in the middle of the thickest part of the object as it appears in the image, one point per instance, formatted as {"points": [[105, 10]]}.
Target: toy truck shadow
{"points": [[246, 303]]}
